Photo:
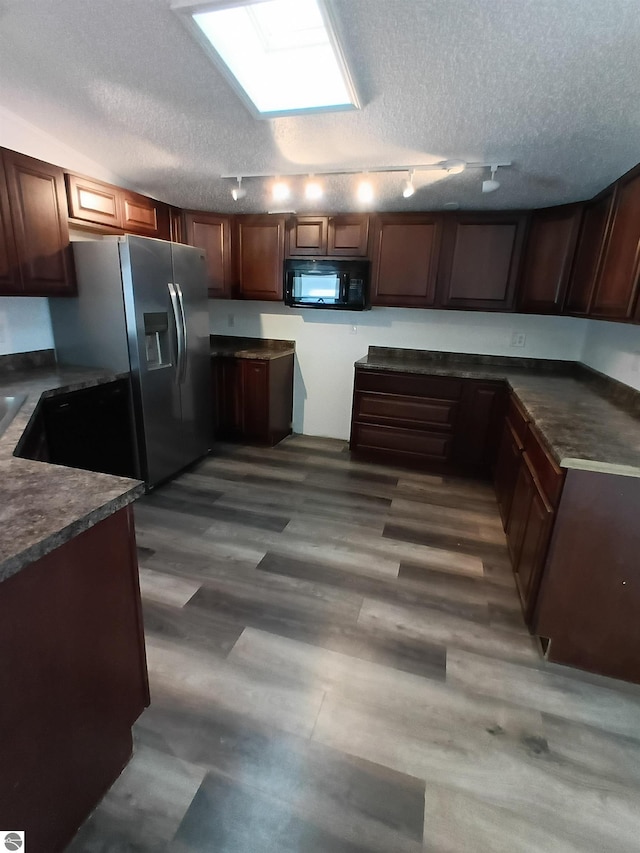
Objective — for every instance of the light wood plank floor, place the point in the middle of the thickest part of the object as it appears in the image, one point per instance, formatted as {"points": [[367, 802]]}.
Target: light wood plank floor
{"points": [[338, 664]]}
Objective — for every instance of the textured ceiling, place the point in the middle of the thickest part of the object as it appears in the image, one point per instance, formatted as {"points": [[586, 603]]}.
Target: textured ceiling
{"points": [[552, 85]]}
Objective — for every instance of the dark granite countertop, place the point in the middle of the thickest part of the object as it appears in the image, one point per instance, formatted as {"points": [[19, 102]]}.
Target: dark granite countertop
{"points": [[264, 349], [43, 505], [587, 421]]}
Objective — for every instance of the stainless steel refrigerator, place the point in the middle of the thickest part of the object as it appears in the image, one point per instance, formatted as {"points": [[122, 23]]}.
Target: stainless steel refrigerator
{"points": [[142, 307]]}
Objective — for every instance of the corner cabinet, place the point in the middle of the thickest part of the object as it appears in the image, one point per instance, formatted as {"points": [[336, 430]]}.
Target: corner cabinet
{"points": [[588, 255], [548, 259], [440, 423], [260, 256], [35, 252], [480, 261], [405, 253], [212, 233], [617, 283]]}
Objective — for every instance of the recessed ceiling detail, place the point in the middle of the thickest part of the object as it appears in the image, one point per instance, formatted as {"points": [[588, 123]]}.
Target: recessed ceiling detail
{"points": [[282, 55]]}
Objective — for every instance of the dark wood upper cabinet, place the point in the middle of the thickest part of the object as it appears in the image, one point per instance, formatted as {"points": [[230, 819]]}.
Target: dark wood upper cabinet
{"points": [[260, 256], [617, 281], [405, 259], [480, 261], [348, 234], [345, 235], [548, 259], [307, 235], [93, 201], [9, 273], [595, 222], [98, 203], [38, 211], [145, 216], [176, 225], [212, 233]]}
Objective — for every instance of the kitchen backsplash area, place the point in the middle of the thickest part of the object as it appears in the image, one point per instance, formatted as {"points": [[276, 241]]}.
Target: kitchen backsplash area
{"points": [[328, 343], [25, 324]]}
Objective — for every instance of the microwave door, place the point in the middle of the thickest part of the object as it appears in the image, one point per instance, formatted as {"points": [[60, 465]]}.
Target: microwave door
{"points": [[316, 288]]}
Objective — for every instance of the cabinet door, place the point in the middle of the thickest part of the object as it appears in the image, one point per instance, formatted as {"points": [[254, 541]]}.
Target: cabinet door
{"points": [[260, 248], [506, 471], [212, 233], [478, 433], [519, 514], [9, 272], [38, 207], [93, 201], [548, 259], [348, 235], [255, 399], [227, 389], [533, 552], [405, 259], [588, 254], [307, 235], [481, 261], [176, 225], [617, 283], [145, 216]]}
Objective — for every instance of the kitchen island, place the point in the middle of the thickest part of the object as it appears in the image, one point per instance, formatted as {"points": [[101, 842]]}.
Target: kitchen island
{"points": [[73, 673], [563, 447]]}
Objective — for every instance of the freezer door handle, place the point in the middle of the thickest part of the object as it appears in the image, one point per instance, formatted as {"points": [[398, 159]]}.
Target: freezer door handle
{"points": [[185, 343], [173, 296]]}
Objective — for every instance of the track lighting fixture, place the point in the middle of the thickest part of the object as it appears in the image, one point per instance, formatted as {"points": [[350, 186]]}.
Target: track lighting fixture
{"points": [[409, 188], [238, 192], [313, 190], [491, 185]]}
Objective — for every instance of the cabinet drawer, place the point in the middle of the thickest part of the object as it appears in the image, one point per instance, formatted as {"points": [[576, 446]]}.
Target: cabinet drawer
{"points": [[409, 384], [517, 420], [418, 410], [548, 473], [410, 443]]}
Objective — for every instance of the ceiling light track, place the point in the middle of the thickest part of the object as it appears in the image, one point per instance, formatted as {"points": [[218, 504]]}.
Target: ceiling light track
{"points": [[453, 167]]}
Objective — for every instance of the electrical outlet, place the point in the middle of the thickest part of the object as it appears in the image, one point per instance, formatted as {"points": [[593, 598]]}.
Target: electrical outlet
{"points": [[353, 329], [518, 339], [635, 362], [3, 328], [231, 321]]}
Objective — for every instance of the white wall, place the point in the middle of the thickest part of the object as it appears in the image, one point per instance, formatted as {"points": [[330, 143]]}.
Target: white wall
{"points": [[326, 346], [24, 322], [614, 349]]}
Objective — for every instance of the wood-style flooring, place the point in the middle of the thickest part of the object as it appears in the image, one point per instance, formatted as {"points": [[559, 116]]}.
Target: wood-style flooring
{"points": [[338, 664]]}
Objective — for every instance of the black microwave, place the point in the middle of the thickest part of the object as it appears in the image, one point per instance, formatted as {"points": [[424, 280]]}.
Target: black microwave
{"points": [[326, 283]]}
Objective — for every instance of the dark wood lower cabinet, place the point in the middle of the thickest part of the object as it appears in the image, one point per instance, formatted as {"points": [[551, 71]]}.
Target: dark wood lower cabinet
{"points": [[253, 398], [444, 424], [73, 679], [589, 597]]}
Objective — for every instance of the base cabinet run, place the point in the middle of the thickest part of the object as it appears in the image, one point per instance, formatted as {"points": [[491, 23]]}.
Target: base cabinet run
{"points": [[73, 677], [253, 398], [445, 424]]}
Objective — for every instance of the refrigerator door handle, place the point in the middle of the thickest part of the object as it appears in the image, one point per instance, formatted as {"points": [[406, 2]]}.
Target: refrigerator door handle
{"points": [[179, 330], [185, 343]]}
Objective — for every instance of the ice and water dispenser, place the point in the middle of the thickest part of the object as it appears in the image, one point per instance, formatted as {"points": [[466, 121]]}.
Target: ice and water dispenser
{"points": [[156, 338]]}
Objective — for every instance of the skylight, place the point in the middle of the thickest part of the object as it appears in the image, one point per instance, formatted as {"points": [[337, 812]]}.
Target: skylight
{"points": [[282, 54]]}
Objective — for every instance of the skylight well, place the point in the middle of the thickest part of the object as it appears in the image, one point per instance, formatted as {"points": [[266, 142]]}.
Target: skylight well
{"points": [[282, 54]]}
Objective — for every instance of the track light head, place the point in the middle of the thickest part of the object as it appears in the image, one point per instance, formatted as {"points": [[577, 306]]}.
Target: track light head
{"points": [[409, 188], [238, 192], [491, 185]]}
